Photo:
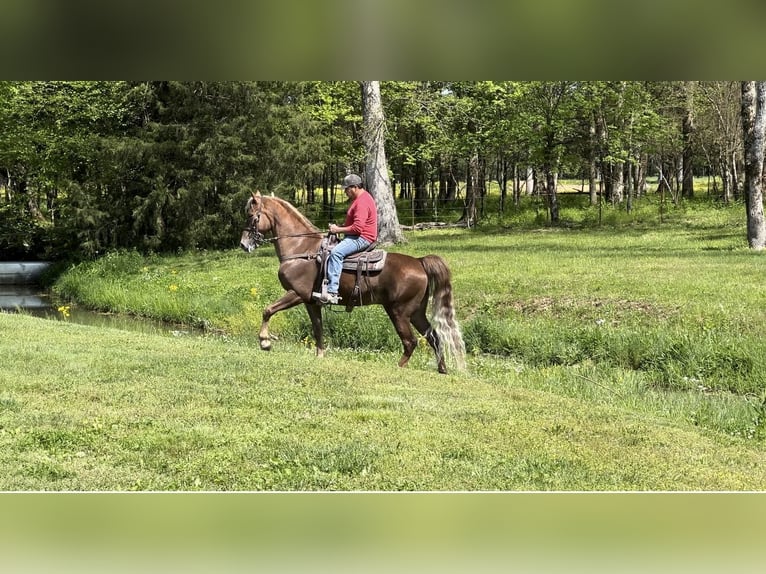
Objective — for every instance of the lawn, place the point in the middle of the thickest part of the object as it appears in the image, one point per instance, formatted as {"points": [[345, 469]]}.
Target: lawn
{"points": [[620, 355], [88, 408]]}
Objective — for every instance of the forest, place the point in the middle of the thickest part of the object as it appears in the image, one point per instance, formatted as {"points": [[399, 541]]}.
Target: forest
{"points": [[162, 166]]}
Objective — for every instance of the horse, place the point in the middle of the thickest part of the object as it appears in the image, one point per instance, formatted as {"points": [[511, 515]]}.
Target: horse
{"points": [[403, 286]]}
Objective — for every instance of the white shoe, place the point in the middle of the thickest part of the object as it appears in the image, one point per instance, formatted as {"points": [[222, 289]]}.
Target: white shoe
{"points": [[328, 299]]}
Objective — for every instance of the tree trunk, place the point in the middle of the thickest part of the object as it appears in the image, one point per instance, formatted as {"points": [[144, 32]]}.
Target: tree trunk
{"points": [[618, 183], [5, 183], [642, 168], [482, 185], [735, 176], [503, 179], [603, 169], [443, 176], [529, 187], [592, 167], [687, 187], [328, 198], [452, 190], [376, 168], [726, 179], [552, 195], [607, 184], [421, 187], [550, 172], [592, 181], [472, 188], [754, 131]]}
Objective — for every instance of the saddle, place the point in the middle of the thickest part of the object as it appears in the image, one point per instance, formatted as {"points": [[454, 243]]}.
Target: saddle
{"points": [[364, 263], [370, 260]]}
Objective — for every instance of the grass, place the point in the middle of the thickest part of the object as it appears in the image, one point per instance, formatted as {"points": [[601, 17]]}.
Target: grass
{"points": [[147, 412], [620, 355]]}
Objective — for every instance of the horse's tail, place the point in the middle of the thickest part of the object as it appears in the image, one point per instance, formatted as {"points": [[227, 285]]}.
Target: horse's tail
{"points": [[443, 311]]}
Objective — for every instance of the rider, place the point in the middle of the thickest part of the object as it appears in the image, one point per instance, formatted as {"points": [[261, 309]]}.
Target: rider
{"points": [[360, 230]]}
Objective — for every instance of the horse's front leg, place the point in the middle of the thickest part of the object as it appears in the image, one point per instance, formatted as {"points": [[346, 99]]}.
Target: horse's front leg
{"points": [[315, 314], [287, 301]]}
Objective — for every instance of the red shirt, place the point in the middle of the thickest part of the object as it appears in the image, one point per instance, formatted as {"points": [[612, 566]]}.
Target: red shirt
{"points": [[362, 217]]}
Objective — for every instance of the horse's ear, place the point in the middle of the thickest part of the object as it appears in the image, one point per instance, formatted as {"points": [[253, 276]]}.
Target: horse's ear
{"points": [[256, 194]]}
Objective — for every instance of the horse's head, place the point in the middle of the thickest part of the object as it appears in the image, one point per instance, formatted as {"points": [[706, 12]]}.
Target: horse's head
{"points": [[252, 235]]}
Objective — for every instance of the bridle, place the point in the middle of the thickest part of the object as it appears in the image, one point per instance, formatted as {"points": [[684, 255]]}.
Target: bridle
{"points": [[256, 236], [259, 238]]}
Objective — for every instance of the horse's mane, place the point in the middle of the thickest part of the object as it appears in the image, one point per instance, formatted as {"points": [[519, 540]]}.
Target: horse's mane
{"points": [[288, 206]]}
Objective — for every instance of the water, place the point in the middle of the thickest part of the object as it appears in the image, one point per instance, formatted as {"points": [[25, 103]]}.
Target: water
{"points": [[22, 272], [27, 297], [32, 300]]}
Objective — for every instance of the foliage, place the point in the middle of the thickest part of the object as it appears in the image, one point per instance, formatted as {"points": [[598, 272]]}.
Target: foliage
{"points": [[21, 238], [162, 166]]}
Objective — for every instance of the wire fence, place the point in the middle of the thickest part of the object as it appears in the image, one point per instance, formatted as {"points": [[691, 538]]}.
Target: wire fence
{"points": [[422, 211], [412, 211]]}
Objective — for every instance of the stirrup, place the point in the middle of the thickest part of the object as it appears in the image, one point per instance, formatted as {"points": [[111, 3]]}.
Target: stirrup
{"points": [[326, 298]]}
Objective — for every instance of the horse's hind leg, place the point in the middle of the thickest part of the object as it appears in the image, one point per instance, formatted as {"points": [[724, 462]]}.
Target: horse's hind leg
{"points": [[401, 323], [424, 328], [288, 300]]}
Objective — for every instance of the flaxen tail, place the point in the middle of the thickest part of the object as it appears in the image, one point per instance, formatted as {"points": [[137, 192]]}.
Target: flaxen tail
{"points": [[451, 344]]}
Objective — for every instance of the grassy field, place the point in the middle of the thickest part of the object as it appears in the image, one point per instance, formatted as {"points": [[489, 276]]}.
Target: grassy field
{"points": [[620, 355], [100, 409]]}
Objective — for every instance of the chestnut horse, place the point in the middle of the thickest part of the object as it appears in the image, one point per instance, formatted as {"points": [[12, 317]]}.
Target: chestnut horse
{"points": [[403, 286]]}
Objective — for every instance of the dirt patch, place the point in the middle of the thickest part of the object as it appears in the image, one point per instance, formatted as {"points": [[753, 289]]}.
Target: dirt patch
{"points": [[607, 310]]}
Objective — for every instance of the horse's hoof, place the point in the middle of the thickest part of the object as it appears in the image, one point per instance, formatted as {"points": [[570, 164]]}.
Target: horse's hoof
{"points": [[265, 345]]}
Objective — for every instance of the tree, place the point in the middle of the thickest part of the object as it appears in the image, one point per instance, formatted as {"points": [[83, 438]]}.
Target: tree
{"points": [[552, 108], [687, 129], [376, 168], [412, 139], [335, 110], [55, 150], [754, 132], [720, 131], [482, 122], [91, 166]]}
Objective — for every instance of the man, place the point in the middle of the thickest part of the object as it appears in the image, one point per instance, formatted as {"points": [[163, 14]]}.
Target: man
{"points": [[360, 230]]}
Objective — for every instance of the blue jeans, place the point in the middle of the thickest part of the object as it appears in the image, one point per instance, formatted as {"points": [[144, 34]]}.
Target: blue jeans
{"points": [[348, 246]]}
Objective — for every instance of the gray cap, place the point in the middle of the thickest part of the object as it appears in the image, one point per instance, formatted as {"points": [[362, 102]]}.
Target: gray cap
{"points": [[352, 179]]}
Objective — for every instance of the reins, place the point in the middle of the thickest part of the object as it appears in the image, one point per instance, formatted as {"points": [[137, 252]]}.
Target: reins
{"points": [[259, 238]]}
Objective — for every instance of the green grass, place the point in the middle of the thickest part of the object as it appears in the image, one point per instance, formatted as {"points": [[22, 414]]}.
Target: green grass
{"points": [[589, 336], [677, 305], [86, 408]]}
